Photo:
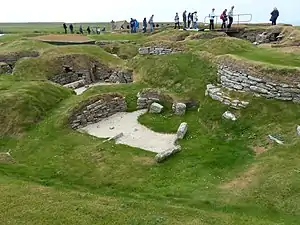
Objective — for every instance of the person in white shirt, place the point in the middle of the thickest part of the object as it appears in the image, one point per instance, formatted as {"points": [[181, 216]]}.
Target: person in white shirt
{"points": [[212, 16], [195, 20], [176, 19], [230, 16]]}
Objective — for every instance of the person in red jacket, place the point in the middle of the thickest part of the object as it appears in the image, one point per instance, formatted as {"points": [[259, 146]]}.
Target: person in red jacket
{"points": [[223, 17]]}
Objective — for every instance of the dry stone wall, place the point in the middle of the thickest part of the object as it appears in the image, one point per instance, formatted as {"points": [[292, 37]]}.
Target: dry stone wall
{"points": [[97, 108], [238, 80], [155, 51]]}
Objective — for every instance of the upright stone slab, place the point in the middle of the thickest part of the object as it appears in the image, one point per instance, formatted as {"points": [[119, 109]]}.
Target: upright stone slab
{"points": [[179, 108], [298, 130], [182, 129], [155, 108]]}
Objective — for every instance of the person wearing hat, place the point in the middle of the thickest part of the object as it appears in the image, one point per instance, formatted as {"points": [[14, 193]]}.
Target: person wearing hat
{"points": [[212, 16]]}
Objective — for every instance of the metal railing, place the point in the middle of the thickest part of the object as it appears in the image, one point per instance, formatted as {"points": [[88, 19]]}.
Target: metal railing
{"points": [[236, 18]]}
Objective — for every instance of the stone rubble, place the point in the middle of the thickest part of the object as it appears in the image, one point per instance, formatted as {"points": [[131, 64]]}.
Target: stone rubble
{"points": [[155, 108], [216, 93], [179, 108], [229, 115], [243, 82], [275, 139], [155, 51], [5, 68], [182, 129], [96, 109], [148, 95]]}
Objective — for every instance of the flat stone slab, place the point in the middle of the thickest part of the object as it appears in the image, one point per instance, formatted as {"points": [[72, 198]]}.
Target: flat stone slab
{"points": [[134, 134]]}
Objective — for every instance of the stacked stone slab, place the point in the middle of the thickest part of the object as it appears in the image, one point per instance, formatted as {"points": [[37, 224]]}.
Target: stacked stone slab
{"points": [[5, 68], [148, 95], [179, 108], [216, 93], [155, 51], [241, 81], [108, 42], [97, 108]]}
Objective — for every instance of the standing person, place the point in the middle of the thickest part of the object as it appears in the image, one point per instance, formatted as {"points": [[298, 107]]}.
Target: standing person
{"points": [[184, 19], [144, 25], [223, 17], [81, 29], [88, 30], [151, 23], [71, 28], [195, 20], [192, 20], [176, 19], [189, 20], [132, 25], [212, 16], [65, 28], [274, 16], [137, 25], [230, 16]]}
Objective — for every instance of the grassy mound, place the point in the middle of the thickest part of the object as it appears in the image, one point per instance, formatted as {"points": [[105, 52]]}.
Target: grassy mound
{"points": [[124, 51], [183, 73], [273, 71], [169, 35], [51, 61], [22, 104], [23, 45]]}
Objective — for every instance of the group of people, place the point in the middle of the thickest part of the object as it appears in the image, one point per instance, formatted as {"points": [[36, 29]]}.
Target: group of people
{"points": [[95, 30], [191, 20], [134, 24]]}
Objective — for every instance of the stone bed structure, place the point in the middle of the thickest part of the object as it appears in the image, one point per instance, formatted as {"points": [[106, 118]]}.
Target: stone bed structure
{"points": [[71, 78], [156, 51], [240, 80], [97, 108]]}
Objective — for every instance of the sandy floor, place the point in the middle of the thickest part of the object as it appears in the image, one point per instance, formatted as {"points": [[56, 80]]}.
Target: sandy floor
{"points": [[63, 37], [135, 134]]}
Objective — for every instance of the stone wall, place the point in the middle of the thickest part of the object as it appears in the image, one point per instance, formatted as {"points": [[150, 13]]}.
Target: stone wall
{"points": [[148, 95], [91, 75], [242, 81], [155, 51], [97, 108]]}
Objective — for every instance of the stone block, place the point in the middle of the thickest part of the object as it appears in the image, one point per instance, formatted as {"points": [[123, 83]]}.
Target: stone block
{"points": [[155, 108], [160, 157], [179, 108], [229, 115], [182, 129]]}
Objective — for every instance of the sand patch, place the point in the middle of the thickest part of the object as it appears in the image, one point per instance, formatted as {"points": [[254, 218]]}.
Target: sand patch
{"points": [[244, 180], [134, 134]]}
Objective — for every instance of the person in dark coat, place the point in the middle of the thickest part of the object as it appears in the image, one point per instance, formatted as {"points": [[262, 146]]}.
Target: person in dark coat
{"points": [[184, 19], [189, 20], [274, 16], [132, 25], [88, 30], [81, 29], [71, 28], [65, 27], [145, 25]]}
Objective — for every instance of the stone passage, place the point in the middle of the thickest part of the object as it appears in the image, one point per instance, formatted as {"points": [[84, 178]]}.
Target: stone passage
{"points": [[216, 93], [97, 108], [242, 81], [155, 51]]}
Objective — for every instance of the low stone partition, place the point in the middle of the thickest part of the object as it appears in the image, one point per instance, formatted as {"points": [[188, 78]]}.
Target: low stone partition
{"points": [[240, 80], [108, 42], [156, 51], [97, 108]]}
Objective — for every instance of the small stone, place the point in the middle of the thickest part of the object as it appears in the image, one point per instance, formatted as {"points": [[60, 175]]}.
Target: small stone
{"points": [[229, 115], [155, 108], [179, 108], [111, 128], [182, 129], [275, 139], [254, 78]]}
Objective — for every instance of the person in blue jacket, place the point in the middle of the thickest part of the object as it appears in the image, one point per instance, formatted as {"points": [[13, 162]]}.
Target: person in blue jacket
{"points": [[274, 16]]}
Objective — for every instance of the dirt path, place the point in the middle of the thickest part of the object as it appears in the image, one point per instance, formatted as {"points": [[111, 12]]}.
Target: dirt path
{"points": [[135, 134]]}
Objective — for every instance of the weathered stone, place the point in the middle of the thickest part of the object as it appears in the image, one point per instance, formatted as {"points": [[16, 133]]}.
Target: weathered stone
{"points": [[155, 108], [229, 115], [298, 130], [255, 78], [275, 139], [160, 157], [179, 108], [182, 129], [258, 89]]}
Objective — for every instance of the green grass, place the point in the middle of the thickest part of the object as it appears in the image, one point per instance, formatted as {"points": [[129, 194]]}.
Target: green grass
{"points": [[221, 46], [22, 46], [25, 103], [216, 179]]}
